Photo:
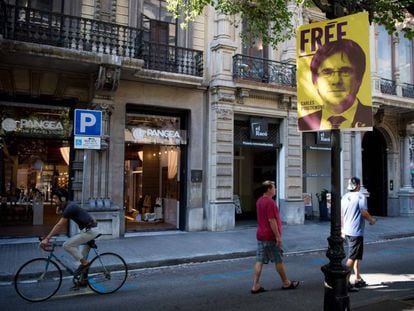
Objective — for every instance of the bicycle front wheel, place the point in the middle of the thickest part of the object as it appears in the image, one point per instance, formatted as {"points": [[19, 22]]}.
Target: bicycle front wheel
{"points": [[107, 273], [38, 280]]}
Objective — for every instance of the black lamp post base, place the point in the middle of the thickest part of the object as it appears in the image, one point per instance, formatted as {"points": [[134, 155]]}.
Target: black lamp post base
{"points": [[336, 289]]}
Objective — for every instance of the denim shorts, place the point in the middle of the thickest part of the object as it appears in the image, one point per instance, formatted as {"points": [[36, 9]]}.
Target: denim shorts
{"points": [[268, 251]]}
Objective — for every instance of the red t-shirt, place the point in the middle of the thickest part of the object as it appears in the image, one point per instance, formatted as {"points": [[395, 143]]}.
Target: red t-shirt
{"points": [[267, 209]]}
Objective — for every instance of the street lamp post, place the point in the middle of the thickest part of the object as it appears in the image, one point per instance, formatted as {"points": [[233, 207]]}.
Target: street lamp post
{"points": [[336, 285]]}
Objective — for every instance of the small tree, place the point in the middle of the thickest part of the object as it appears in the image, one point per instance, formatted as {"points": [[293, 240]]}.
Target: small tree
{"points": [[271, 19]]}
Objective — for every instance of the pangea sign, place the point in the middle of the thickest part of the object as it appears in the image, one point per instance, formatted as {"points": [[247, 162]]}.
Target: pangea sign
{"points": [[34, 127], [156, 136], [11, 125], [140, 133], [36, 121]]}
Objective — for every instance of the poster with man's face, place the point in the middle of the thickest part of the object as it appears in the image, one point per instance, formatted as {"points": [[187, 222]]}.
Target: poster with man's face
{"points": [[333, 74]]}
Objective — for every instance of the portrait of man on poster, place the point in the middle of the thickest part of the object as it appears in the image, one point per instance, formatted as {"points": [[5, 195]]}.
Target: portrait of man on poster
{"points": [[337, 70]]}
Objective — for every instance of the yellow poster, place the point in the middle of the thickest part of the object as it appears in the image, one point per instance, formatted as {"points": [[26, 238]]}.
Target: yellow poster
{"points": [[333, 74]]}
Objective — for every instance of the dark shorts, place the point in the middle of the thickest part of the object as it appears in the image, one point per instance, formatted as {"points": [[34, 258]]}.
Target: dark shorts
{"points": [[268, 251], [355, 247]]}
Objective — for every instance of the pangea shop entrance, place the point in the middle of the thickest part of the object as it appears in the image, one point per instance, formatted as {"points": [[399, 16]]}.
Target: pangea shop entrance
{"points": [[34, 160], [154, 157], [256, 144]]}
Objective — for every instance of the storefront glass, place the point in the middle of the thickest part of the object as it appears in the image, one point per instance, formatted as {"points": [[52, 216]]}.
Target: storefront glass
{"points": [[256, 141], [34, 160], [152, 166]]}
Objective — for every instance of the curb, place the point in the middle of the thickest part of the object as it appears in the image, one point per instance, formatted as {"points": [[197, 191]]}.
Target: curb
{"points": [[7, 278]]}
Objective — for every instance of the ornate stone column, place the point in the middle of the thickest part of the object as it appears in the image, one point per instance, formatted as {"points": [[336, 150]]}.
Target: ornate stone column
{"points": [[99, 160], [396, 69], [289, 46], [375, 78], [96, 175], [93, 171], [220, 212], [357, 160], [406, 162], [406, 193]]}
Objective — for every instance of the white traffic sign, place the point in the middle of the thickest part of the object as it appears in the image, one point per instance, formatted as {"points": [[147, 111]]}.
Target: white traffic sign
{"points": [[87, 142]]}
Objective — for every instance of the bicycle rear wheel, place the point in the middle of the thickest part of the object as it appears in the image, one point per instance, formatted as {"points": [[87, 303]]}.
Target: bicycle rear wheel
{"points": [[38, 280], [107, 273]]}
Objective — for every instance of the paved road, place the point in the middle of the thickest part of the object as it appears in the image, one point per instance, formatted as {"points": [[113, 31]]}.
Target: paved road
{"points": [[225, 285]]}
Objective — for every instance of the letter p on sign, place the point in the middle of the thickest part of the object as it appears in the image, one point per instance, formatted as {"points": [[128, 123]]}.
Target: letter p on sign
{"points": [[88, 122]]}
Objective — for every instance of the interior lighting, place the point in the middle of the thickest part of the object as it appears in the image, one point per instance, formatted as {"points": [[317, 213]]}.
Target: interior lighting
{"points": [[64, 151]]}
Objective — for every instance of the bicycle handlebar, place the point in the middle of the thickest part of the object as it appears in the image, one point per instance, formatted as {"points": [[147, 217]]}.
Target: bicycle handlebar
{"points": [[48, 247]]}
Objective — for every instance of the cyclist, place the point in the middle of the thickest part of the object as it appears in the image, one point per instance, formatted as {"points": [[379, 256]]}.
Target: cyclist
{"points": [[86, 224]]}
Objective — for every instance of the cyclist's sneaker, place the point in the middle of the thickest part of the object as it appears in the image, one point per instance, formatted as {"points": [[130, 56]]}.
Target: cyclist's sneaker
{"points": [[80, 270], [360, 283], [82, 283]]}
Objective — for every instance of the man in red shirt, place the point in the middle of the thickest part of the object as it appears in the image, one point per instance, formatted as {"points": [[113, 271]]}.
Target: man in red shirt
{"points": [[269, 238]]}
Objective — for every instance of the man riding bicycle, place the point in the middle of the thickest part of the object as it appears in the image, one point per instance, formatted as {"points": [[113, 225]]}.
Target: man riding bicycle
{"points": [[85, 222]]}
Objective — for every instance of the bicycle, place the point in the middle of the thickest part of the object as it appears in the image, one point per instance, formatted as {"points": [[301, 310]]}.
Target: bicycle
{"points": [[40, 278]]}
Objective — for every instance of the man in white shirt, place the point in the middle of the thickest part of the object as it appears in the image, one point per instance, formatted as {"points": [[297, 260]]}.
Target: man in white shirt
{"points": [[354, 212]]}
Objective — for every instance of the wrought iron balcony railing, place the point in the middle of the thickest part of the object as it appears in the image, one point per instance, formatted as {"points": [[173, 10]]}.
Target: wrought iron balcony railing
{"points": [[263, 70], [83, 34], [407, 90], [172, 59], [388, 86], [49, 28]]}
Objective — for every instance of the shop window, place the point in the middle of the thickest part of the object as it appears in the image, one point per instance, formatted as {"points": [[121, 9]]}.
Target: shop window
{"points": [[33, 168], [152, 166]]}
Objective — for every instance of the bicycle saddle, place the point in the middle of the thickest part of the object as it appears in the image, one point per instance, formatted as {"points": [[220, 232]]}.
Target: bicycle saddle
{"points": [[92, 243]]}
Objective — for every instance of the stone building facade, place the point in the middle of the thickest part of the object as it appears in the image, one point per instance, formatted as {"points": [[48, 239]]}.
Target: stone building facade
{"points": [[193, 120]]}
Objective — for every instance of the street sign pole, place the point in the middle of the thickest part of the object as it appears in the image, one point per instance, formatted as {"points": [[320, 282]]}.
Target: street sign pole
{"points": [[336, 285], [83, 176], [88, 131]]}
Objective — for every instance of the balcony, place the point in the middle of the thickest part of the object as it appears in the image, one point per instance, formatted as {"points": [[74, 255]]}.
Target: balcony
{"points": [[407, 90], [263, 70], [83, 34], [173, 59], [388, 87]]}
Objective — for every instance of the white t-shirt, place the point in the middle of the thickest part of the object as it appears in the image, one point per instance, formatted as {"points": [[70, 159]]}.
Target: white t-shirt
{"points": [[352, 204]]}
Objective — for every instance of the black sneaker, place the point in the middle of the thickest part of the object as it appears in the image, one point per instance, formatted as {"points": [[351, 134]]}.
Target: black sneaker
{"points": [[83, 283], [79, 285], [360, 283], [352, 289]]}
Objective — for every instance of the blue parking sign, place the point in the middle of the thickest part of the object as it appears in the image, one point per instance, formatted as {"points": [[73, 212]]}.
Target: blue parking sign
{"points": [[88, 122]]}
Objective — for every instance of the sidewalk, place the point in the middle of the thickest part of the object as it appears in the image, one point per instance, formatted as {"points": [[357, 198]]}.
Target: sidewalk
{"points": [[175, 247]]}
